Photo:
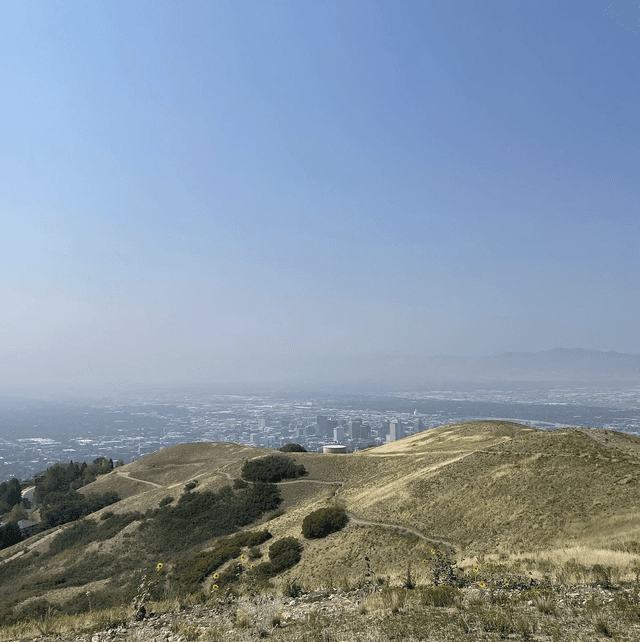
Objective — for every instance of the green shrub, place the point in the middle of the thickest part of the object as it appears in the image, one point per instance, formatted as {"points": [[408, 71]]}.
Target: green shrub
{"points": [[283, 554], [10, 534], [230, 575], [205, 564], [201, 516], [251, 538], [166, 501], [272, 469], [239, 483], [324, 521], [61, 508], [293, 448]]}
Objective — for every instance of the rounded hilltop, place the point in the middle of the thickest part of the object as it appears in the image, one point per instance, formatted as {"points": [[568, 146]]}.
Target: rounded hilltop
{"points": [[478, 490]]}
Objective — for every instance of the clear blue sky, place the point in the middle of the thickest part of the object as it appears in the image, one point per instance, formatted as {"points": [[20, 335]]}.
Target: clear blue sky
{"points": [[193, 191]]}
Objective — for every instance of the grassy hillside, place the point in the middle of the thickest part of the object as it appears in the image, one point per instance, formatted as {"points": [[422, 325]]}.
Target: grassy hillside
{"points": [[504, 499]]}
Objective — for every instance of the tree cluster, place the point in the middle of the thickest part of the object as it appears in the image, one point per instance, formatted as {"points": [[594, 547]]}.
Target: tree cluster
{"points": [[272, 469], [63, 477], [10, 495], [199, 516], [10, 534], [61, 508], [324, 521]]}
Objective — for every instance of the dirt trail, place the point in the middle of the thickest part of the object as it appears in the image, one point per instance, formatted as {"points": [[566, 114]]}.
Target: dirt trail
{"points": [[142, 481], [397, 527]]}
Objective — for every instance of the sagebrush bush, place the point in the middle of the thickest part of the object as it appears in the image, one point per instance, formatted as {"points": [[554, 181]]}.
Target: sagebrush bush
{"points": [[324, 521], [195, 568], [293, 448], [272, 469], [200, 516], [283, 554]]}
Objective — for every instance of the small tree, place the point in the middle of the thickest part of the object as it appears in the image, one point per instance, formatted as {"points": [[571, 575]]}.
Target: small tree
{"points": [[10, 534], [17, 513]]}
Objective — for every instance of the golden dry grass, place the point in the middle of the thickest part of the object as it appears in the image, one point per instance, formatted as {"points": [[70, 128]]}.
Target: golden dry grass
{"points": [[496, 488]]}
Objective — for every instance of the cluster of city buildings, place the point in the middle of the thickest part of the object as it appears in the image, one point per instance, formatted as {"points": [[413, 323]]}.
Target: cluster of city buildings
{"points": [[353, 433]]}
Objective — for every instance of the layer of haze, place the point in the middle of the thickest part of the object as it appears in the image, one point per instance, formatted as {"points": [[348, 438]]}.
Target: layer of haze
{"points": [[195, 192]]}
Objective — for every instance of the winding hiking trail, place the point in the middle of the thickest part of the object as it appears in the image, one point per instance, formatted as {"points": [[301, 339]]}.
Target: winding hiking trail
{"points": [[127, 475], [353, 519]]}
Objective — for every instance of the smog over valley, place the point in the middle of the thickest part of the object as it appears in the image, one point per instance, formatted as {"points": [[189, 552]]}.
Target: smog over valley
{"points": [[319, 321]]}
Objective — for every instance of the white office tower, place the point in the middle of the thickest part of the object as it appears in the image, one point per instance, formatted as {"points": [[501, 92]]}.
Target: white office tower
{"points": [[338, 433], [395, 430]]}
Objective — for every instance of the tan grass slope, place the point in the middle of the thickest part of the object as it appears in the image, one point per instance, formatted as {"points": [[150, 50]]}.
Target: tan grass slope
{"points": [[489, 487], [483, 485]]}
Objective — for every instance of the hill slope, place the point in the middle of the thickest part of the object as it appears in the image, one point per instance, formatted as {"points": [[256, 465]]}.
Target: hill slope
{"points": [[495, 489]]}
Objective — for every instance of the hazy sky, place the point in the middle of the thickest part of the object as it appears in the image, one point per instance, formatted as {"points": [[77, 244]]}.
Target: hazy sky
{"points": [[199, 191]]}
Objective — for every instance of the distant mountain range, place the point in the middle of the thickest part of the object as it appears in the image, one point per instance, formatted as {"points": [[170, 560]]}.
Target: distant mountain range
{"points": [[559, 364]]}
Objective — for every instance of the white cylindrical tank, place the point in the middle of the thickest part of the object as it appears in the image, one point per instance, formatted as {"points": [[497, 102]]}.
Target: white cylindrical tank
{"points": [[334, 449]]}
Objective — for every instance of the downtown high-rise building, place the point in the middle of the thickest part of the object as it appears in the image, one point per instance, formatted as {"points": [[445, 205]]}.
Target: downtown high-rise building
{"points": [[396, 430]]}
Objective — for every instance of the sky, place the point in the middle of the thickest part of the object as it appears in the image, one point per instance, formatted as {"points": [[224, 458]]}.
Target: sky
{"points": [[196, 192]]}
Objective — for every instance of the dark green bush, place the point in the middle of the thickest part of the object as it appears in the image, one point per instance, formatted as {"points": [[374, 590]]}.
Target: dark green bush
{"points": [[166, 501], [198, 567], [61, 508], [293, 448], [251, 538], [239, 483], [230, 575], [284, 546], [283, 554], [206, 563], [10, 534], [324, 521], [72, 535], [272, 469], [201, 516]]}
